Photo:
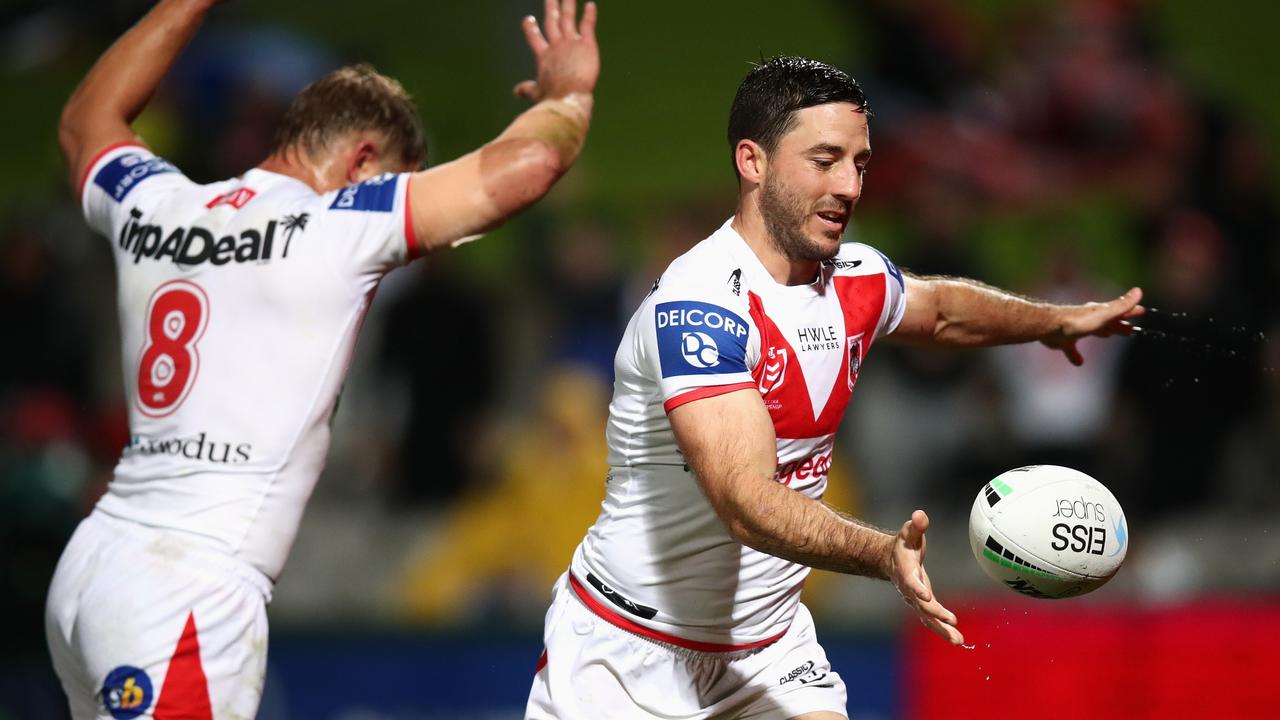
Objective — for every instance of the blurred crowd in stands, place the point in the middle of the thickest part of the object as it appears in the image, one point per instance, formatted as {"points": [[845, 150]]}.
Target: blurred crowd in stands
{"points": [[1059, 155]]}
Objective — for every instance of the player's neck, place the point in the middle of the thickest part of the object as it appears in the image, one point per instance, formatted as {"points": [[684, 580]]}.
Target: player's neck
{"points": [[299, 166], [749, 223]]}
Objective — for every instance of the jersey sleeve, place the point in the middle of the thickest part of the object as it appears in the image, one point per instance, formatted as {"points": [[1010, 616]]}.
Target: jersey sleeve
{"points": [[376, 230], [695, 344], [123, 177], [895, 297]]}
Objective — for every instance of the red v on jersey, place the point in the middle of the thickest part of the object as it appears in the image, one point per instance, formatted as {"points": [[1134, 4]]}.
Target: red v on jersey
{"points": [[781, 377]]}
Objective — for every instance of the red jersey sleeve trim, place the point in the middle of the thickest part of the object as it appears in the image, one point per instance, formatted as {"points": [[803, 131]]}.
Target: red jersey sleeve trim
{"points": [[703, 392], [84, 178], [410, 240], [617, 620]]}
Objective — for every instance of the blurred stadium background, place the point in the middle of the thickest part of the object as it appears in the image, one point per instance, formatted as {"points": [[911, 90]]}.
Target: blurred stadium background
{"points": [[1065, 150]]}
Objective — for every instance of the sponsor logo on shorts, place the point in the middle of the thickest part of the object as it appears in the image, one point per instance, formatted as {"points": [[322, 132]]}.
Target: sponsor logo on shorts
{"points": [[807, 674], [126, 692], [697, 338]]}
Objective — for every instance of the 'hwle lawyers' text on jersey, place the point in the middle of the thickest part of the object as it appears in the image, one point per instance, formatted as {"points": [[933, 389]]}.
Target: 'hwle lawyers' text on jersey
{"points": [[658, 561]]}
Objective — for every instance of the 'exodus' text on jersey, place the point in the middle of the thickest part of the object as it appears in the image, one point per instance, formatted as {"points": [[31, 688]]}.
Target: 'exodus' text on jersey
{"points": [[239, 304]]}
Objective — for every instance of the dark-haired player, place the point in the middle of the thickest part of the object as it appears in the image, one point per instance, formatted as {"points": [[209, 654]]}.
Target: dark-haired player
{"points": [[240, 302], [683, 600]]}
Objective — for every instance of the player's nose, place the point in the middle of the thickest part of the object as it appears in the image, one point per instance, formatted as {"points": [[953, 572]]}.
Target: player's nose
{"points": [[847, 184]]}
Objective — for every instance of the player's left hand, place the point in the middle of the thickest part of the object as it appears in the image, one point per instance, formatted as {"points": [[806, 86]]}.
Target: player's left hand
{"points": [[1100, 319], [906, 572], [567, 54]]}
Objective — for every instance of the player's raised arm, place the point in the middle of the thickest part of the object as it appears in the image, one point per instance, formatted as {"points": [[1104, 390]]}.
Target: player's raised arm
{"points": [[480, 190], [967, 313], [729, 443], [117, 88]]}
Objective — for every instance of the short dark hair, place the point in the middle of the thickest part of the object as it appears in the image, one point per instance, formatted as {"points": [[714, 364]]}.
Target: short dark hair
{"points": [[352, 99], [765, 106]]}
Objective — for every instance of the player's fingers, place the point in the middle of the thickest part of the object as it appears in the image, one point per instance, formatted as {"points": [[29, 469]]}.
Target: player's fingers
{"points": [[551, 20], [911, 584], [528, 90], [1073, 353], [533, 35], [923, 589], [948, 632], [569, 18], [913, 530], [589, 15], [934, 609]]}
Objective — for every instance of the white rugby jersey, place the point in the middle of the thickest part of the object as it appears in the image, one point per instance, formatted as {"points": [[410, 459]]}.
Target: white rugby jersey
{"points": [[240, 302], [658, 561]]}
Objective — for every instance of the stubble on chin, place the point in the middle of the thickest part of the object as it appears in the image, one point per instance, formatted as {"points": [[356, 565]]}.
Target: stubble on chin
{"points": [[784, 218]]}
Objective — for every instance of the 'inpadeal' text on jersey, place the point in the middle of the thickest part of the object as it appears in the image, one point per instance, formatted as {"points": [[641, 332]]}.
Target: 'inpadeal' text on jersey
{"points": [[658, 561], [239, 303]]}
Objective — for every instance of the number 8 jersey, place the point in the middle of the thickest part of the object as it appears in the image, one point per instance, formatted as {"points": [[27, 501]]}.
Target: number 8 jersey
{"points": [[239, 303], [658, 561]]}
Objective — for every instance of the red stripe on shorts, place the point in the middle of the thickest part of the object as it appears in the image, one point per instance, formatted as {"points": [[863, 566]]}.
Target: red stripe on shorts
{"points": [[185, 695], [614, 618]]}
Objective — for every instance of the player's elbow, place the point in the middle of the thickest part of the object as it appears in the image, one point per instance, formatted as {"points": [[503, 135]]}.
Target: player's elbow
{"points": [[70, 130]]}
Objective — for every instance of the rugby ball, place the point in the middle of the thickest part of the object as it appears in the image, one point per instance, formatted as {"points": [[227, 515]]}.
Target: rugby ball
{"points": [[1048, 531]]}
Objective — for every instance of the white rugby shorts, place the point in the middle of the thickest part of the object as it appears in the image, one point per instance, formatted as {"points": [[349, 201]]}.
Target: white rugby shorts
{"points": [[145, 623], [594, 670]]}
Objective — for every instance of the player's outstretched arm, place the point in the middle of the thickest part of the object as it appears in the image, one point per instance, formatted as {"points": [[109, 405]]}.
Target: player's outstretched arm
{"points": [[729, 443], [117, 88], [967, 313], [482, 189]]}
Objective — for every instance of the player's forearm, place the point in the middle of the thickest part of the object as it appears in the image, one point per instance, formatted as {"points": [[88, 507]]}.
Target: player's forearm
{"points": [[972, 314], [560, 124], [119, 85], [783, 523]]}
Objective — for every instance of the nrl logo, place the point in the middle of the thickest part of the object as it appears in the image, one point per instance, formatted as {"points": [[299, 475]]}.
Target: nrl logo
{"points": [[775, 370]]}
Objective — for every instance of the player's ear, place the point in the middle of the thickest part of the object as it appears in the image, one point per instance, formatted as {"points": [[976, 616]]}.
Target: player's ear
{"points": [[364, 161], [751, 161]]}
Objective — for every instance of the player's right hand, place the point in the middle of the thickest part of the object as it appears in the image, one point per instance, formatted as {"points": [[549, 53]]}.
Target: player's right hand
{"points": [[906, 572], [567, 55]]}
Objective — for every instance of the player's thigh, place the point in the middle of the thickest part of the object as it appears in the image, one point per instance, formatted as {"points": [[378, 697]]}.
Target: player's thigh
{"points": [[793, 678], [152, 627]]}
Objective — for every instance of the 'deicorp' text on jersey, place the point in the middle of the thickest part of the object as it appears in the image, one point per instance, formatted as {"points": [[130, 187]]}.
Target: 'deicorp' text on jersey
{"points": [[658, 559], [239, 303]]}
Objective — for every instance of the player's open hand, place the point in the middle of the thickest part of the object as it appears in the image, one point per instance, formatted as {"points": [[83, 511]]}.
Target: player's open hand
{"points": [[1101, 319], [906, 572], [566, 51]]}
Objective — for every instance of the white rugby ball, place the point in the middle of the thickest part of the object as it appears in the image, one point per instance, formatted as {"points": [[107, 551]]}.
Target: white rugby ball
{"points": [[1048, 531]]}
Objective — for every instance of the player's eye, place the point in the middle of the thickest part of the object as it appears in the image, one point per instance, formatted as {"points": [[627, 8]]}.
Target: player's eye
{"points": [[824, 163]]}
